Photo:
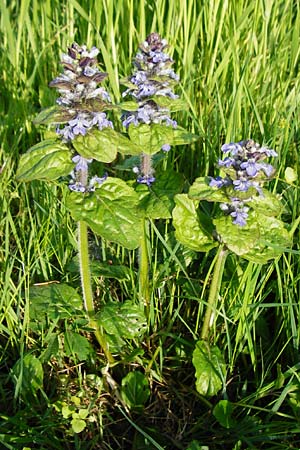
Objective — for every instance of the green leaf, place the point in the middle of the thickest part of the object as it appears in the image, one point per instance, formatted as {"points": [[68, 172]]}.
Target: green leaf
{"points": [[29, 371], [290, 175], [129, 106], [54, 114], [195, 445], [103, 145], [96, 144], [83, 413], [274, 239], [111, 211], [135, 390], [238, 239], [262, 239], [47, 160], [151, 138], [77, 345], [200, 190], [122, 321], [52, 301], [210, 368], [103, 269], [67, 411], [157, 202], [187, 225], [78, 425], [173, 105], [51, 349], [223, 413], [267, 204]]}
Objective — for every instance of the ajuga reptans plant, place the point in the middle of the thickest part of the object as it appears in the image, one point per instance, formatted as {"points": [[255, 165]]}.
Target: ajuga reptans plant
{"points": [[147, 119], [231, 213]]}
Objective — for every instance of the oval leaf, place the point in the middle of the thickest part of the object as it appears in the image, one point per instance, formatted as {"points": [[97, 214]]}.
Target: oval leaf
{"points": [[210, 368], [103, 145], [78, 425], [238, 239], [77, 346], [52, 301], [151, 138], [157, 202], [187, 225], [31, 372], [122, 321], [273, 241], [201, 190], [47, 160], [135, 390], [223, 413], [111, 211]]}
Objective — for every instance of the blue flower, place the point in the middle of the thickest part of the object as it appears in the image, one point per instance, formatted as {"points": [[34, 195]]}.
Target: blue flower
{"points": [[166, 148], [232, 147], [240, 216], [217, 182], [245, 169], [146, 179], [242, 184], [81, 163], [226, 162]]}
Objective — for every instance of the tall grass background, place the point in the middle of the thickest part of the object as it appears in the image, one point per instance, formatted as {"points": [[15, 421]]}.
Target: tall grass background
{"points": [[238, 63]]}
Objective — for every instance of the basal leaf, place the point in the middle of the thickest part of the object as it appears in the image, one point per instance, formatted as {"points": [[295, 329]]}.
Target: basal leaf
{"points": [[210, 368], [52, 301], [31, 372], [47, 160], [187, 225], [157, 202], [77, 346], [111, 211], [223, 413], [135, 390], [122, 321]]}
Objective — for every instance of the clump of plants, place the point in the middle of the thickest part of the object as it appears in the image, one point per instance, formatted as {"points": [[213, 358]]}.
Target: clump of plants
{"points": [[231, 213]]}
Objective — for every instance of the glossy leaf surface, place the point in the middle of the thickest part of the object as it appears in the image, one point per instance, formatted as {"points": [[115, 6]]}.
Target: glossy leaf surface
{"points": [[111, 211], [210, 368], [103, 145], [157, 201], [135, 390], [122, 321], [47, 160], [151, 138], [187, 225]]}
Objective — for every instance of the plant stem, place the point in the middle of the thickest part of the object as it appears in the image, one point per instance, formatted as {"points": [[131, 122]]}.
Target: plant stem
{"points": [[144, 289], [85, 275], [214, 290]]}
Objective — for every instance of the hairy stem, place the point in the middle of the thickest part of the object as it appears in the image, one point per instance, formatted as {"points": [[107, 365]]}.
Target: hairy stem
{"points": [[85, 275], [144, 288], [214, 291]]}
